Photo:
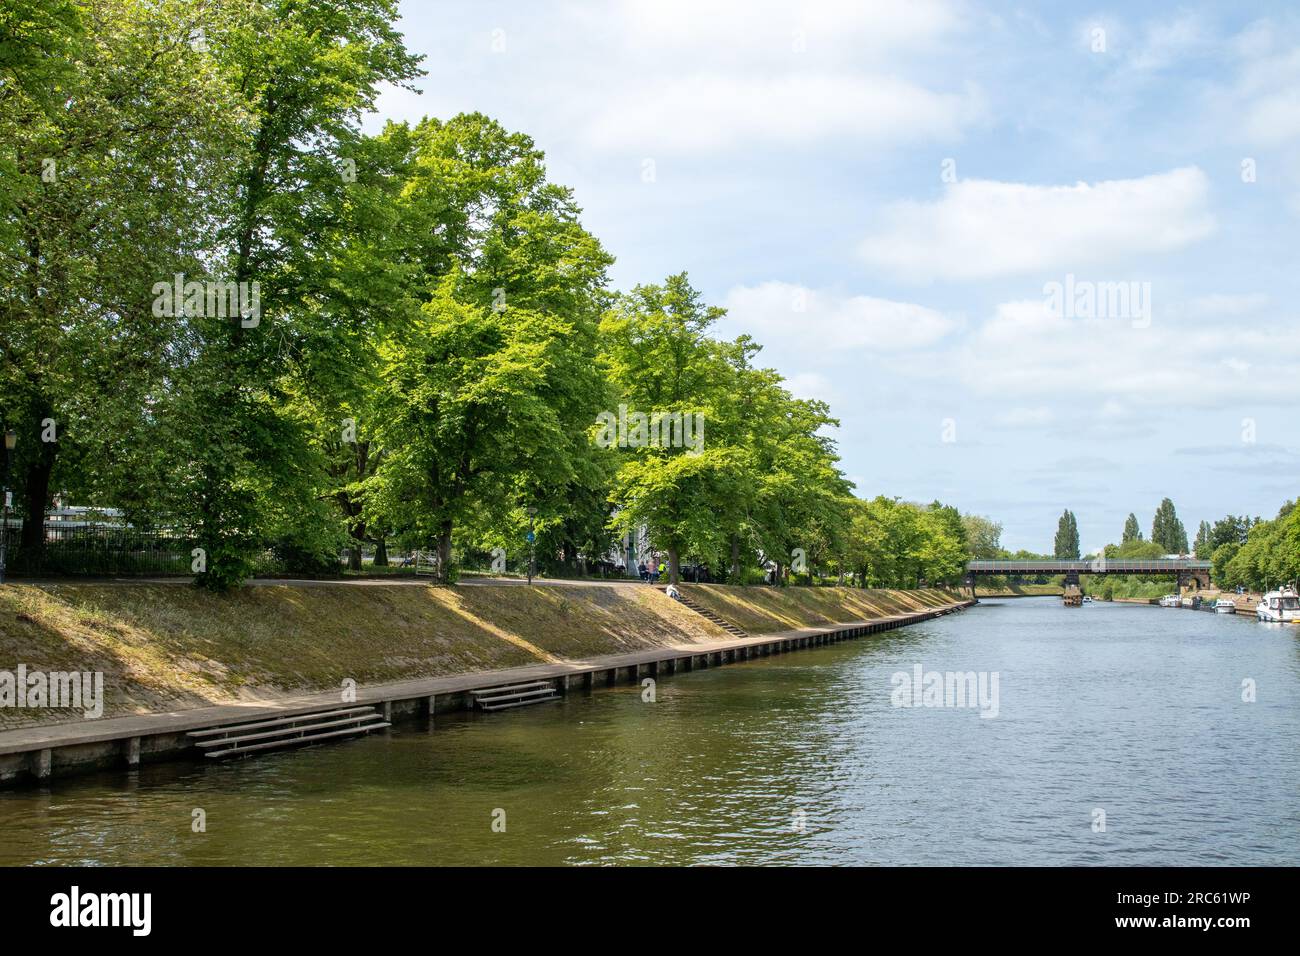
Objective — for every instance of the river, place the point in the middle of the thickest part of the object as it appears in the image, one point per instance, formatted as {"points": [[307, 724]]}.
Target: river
{"points": [[1121, 737]]}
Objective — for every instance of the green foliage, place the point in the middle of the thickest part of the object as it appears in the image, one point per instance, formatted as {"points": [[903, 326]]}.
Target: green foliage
{"points": [[1167, 531], [1067, 537], [1269, 556], [437, 336], [1131, 530], [983, 537], [900, 544]]}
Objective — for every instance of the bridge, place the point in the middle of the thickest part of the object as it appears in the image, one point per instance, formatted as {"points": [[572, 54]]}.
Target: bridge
{"points": [[1188, 571]]}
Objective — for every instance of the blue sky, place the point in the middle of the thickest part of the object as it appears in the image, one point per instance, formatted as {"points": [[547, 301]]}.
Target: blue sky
{"points": [[882, 194]]}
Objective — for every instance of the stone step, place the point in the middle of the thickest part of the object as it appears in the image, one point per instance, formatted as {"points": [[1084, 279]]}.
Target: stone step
{"points": [[253, 748], [280, 721], [524, 696], [522, 703], [293, 733], [514, 695], [255, 736]]}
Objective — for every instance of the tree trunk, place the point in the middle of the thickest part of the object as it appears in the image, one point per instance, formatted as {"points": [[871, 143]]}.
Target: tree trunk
{"points": [[444, 553], [673, 563], [358, 534], [381, 552], [36, 497], [735, 560]]}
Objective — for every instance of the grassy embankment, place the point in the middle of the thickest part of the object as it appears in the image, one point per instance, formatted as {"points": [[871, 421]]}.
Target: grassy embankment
{"points": [[763, 610], [168, 647]]}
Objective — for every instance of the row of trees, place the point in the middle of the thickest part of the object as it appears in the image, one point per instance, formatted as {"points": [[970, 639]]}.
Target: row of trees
{"points": [[1167, 532], [1245, 552], [1168, 536], [229, 312], [1257, 554]]}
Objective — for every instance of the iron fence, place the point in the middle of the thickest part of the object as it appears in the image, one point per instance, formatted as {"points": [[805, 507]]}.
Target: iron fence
{"points": [[94, 549]]}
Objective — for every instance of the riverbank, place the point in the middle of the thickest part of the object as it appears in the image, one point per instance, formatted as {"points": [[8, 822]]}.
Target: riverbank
{"points": [[167, 647], [680, 639]]}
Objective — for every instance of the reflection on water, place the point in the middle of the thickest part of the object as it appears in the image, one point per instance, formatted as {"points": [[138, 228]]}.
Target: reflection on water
{"points": [[796, 759]]}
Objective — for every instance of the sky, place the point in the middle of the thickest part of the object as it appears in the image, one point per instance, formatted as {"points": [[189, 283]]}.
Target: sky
{"points": [[1035, 257]]}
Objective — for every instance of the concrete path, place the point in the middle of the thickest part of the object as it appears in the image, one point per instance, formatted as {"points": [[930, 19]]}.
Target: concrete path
{"points": [[394, 581]]}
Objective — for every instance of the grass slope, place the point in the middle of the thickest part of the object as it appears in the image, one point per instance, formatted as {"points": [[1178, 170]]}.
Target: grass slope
{"points": [[171, 646], [763, 610], [166, 647]]}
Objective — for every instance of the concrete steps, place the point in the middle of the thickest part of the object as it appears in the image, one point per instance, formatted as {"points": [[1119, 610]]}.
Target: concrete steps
{"points": [[514, 695], [716, 619], [247, 737]]}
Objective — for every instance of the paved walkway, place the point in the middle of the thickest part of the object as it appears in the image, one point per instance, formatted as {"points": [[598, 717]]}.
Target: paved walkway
{"points": [[179, 721], [394, 581]]}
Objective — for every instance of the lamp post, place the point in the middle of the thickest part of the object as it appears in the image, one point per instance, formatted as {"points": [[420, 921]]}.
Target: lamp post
{"points": [[11, 439], [532, 513]]}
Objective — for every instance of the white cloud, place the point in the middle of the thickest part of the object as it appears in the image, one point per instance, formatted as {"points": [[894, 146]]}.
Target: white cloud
{"points": [[982, 229], [1167, 41], [1266, 96], [681, 76], [1026, 417], [1226, 305], [789, 317], [811, 385], [1097, 369], [754, 31], [716, 111]]}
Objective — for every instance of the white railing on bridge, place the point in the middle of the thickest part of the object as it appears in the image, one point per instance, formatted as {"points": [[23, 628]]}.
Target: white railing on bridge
{"points": [[1113, 565]]}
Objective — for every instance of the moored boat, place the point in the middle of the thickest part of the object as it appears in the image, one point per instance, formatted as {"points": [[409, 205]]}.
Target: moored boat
{"points": [[1279, 607], [1224, 606]]}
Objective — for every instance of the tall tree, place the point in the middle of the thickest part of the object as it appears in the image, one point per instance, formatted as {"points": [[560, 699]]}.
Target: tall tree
{"points": [[1067, 537], [474, 436], [1131, 530], [983, 537], [1203, 547], [305, 74], [662, 361], [114, 139], [1167, 531]]}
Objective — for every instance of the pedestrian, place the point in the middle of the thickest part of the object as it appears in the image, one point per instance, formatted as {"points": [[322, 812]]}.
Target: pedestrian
{"points": [[643, 571]]}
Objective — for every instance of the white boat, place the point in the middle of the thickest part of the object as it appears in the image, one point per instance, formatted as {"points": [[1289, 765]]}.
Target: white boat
{"points": [[1169, 600], [1224, 606], [1087, 599], [1279, 607]]}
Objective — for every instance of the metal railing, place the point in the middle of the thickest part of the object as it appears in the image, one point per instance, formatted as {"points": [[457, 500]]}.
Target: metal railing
{"points": [[1112, 565], [84, 548]]}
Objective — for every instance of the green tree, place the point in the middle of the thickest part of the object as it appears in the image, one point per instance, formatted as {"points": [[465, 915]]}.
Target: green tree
{"points": [[468, 412], [661, 361], [1167, 531], [1270, 555], [983, 537], [114, 140], [1203, 547], [1067, 537], [1131, 530]]}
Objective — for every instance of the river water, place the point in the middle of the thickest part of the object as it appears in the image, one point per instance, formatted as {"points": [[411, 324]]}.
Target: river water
{"points": [[1129, 711]]}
